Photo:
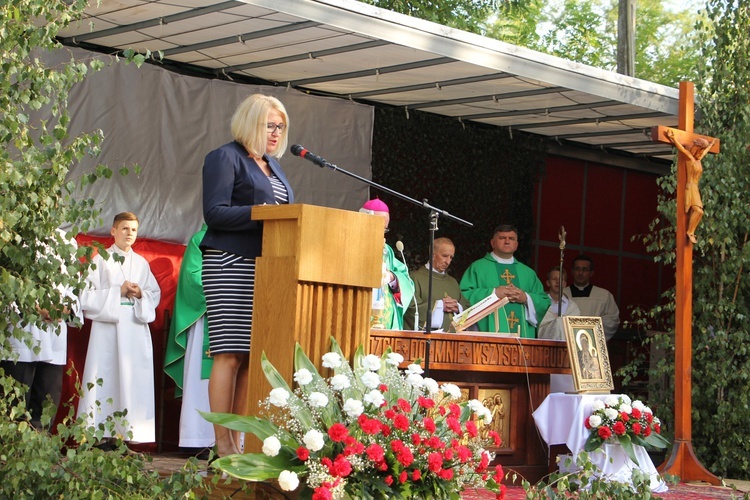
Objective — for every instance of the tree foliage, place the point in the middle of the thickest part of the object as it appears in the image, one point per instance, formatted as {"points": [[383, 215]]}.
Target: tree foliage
{"points": [[721, 258], [461, 14]]}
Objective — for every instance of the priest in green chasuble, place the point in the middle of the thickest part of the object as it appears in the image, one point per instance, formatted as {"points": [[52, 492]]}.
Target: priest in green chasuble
{"points": [[397, 289], [500, 273]]}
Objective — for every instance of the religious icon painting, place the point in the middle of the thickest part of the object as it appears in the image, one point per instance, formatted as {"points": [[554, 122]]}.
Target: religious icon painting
{"points": [[499, 402], [587, 349]]}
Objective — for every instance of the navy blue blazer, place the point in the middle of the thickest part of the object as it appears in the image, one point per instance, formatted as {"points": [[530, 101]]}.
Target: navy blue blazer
{"points": [[232, 184]]}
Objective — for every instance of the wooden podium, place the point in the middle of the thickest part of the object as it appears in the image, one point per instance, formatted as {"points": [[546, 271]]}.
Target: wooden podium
{"points": [[313, 280]]}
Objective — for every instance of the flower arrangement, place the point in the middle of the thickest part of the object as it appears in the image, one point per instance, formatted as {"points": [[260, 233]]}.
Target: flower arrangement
{"points": [[617, 420], [368, 431]]}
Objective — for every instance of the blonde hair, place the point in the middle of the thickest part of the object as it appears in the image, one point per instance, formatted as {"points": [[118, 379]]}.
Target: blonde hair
{"points": [[249, 124]]}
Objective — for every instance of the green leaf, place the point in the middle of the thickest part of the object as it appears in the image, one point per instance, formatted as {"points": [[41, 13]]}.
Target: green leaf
{"points": [[627, 445], [257, 466]]}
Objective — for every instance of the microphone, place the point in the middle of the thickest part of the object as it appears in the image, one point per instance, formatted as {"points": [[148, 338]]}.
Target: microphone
{"points": [[400, 248], [300, 151]]}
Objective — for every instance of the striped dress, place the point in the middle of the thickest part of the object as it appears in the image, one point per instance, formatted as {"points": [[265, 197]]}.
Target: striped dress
{"points": [[229, 282]]}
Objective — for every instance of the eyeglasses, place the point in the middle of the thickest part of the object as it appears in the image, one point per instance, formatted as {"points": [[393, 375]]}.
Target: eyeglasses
{"points": [[272, 127], [386, 230]]}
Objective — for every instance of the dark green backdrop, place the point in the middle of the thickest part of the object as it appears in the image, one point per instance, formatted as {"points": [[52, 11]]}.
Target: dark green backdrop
{"points": [[484, 175]]}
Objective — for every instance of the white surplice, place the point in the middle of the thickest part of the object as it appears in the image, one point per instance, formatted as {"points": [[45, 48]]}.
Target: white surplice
{"points": [[195, 431], [120, 351]]}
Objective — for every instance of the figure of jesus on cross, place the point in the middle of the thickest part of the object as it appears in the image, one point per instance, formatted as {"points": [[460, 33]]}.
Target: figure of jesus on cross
{"points": [[692, 148]]}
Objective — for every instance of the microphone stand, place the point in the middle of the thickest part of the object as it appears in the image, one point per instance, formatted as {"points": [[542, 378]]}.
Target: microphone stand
{"points": [[433, 217], [561, 237]]}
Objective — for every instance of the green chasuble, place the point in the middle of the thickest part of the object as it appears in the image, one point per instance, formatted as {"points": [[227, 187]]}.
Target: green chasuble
{"points": [[395, 306], [189, 306], [486, 274], [442, 285]]}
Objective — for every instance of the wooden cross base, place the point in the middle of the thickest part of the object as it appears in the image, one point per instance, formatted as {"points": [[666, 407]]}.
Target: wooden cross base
{"points": [[684, 464]]}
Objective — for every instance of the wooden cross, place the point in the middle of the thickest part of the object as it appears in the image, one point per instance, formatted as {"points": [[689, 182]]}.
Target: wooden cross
{"points": [[507, 277], [683, 462]]}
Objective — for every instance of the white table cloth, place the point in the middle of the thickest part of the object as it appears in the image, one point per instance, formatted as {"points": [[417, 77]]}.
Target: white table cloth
{"points": [[560, 420]]}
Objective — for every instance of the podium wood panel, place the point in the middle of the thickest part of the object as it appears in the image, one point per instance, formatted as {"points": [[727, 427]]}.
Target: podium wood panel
{"points": [[313, 281]]}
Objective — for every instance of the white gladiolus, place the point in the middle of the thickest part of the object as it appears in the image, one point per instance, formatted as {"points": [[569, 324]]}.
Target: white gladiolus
{"points": [[430, 385], [375, 398], [314, 440], [318, 400], [288, 480], [611, 413], [595, 421], [597, 405], [279, 397], [415, 368], [370, 379], [331, 360], [394, 358], [371, 362], [303, 376], [340, 382], [452, 390], [271, 446], [353, 408]]}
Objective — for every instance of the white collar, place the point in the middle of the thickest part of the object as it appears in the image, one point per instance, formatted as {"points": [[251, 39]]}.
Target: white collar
{"points": [[502, 260]]}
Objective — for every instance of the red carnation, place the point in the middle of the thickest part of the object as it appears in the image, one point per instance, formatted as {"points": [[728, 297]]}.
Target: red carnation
{"points": [[425, 402], [646, 431], [341, 467], [429, 424], [471, 428], [385, 430], [636, 413], [416, 475], [401, 422], [649, 417], [405, 457], [624, 416], [390, 413], [415, 439], [464, 454], [338, 432], [657, 428], [455, 410], [382, 388], [404, 405], [604, 432], [501, 494], [495, 438], [375, 452], [499, 473], [303, 453], [403, 477], [586, 423], [448, 453], [619, 428], [446, 474], [454, 425], [389, 480], [369, 425], [637, 428], [322, 493], [442, 410], [435, 461]]}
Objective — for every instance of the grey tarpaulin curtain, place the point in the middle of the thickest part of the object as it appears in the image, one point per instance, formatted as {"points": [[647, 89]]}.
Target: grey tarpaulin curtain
{"points": [[166, 123]]}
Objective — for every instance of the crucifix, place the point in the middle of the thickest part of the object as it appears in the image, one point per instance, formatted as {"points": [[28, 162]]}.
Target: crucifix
{"points": [[691, 150]]}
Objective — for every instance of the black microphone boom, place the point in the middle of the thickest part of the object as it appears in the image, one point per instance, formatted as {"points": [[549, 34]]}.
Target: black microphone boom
{"points": [[298, 150]]}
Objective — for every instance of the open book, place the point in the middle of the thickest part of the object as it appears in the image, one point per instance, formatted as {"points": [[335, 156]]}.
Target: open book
{"points": [[483, 308]]}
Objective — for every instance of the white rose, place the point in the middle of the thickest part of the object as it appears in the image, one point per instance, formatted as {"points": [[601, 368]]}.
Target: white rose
{"points": [[331, 360], [625, 399], [595, 421], [415, 368], [279, 397], [340, 382], [288, 480], [370, 379], [371, 362], [638, 405], [353, 408], [611, 401], [475, 405], [303, 376], [318, 399], [314, 440], [597, 405], [452, 390], [375, 398], [430, 385], [394, 358], [415, 380], [611, 413], [626, 408], [271, 446]]}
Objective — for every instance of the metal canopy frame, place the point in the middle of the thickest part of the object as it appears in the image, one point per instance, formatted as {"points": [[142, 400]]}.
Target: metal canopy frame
{"points": [[351, 50]]}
